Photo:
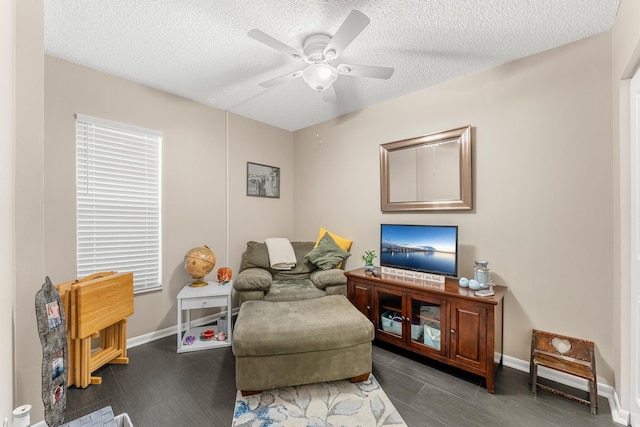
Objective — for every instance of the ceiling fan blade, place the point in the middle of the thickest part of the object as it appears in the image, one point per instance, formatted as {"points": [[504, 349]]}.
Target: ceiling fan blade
{"points": [[281, 79], [277, 44], [348, 31], [371, 71], [329, 94]]}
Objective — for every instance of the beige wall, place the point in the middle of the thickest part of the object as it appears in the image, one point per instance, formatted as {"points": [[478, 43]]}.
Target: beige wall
{"points": [[204, 177], [625, 60], [203, 184], [29, 212], [193, 175], [257, 218], [7, 204], [542, 150]]}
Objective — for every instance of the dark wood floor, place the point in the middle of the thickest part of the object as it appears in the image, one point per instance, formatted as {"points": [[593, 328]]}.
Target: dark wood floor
{"points": [[162, 388]]}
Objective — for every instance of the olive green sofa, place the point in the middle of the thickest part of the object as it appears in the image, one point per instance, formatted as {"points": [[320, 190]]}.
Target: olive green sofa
{"points": [[256, 279]]}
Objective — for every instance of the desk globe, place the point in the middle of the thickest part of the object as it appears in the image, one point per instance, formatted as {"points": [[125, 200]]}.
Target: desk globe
{"points": [[199, 262]]}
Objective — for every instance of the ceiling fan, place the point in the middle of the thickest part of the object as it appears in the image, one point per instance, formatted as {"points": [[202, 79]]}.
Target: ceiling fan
{"points": [[319, 52]]}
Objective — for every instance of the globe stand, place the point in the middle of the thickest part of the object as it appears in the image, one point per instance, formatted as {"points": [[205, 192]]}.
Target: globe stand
{"points": [[199, 262], [198, 283]]}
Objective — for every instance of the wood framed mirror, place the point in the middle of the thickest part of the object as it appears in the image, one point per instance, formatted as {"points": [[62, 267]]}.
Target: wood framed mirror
{"points": [[429, 172]]}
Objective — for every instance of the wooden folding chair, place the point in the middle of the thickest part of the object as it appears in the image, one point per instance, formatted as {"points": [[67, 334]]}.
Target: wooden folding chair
{"points": [[570, 355]]}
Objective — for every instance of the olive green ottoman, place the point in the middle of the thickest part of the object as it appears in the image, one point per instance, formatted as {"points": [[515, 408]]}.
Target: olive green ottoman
{"points": [[282, 344]]}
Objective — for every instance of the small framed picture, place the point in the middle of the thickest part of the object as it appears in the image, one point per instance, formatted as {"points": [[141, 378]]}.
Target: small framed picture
{"points": [[57, 394], [57, 364], [263, 180], [53, 314]]}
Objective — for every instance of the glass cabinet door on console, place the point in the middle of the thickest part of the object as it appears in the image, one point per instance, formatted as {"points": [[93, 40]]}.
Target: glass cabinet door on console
{"points": [[411, 320], [428, 324], [389, 314]]}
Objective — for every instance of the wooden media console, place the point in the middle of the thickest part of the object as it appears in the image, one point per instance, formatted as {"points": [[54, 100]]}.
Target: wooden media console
{"points": [[442, 321]]}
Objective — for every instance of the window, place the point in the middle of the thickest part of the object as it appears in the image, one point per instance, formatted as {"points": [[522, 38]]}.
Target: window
{"points": [[118, 200]]}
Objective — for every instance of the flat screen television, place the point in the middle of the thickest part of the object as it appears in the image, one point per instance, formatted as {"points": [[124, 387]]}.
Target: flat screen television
{"points": [[426, 248]]}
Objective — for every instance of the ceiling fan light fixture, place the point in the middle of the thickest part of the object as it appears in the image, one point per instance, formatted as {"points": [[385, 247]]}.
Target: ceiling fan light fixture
{"points": [[320, 76]]}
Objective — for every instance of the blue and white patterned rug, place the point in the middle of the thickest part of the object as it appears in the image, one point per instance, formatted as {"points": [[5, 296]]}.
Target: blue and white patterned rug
{"points": [[336, 403]]}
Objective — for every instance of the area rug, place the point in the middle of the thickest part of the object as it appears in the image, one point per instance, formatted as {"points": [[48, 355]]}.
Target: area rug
{"points": [[335, 403]]}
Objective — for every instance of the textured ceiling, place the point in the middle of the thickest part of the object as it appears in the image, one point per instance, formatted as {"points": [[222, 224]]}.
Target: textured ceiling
{"points": [[199, 49]]}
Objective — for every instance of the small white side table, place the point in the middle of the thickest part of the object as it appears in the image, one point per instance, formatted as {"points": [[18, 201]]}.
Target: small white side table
{"points": [[212, 295]]}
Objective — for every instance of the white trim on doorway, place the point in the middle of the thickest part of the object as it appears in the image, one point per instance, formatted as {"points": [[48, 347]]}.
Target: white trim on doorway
{"points": [[634, 292]]}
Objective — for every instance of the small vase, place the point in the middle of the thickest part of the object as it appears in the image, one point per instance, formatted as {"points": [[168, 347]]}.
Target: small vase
{"points": [[369, 267], [482, 273]]}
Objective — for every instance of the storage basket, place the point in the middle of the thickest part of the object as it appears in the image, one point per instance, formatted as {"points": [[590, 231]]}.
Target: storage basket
{"points": [[392, 322], [102, 417], [432, 336], [123, 420], [391, 325], [416, 332]]}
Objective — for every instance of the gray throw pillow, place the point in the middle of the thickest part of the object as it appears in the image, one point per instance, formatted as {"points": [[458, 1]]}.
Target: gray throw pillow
{"points": [[327, 254], [255, 256]]}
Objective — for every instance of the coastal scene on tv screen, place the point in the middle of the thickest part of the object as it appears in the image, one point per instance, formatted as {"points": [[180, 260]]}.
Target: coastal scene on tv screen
{"points": [[429, 249]]}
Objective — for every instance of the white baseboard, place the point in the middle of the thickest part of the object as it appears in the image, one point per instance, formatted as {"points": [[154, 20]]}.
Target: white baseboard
{"points": [[618, 415]]}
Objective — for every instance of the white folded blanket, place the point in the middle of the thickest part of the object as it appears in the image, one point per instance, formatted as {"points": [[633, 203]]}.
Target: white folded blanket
{"points": [[281, 254]]}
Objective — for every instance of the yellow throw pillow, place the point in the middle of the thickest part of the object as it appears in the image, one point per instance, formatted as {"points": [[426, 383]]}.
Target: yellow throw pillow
{"points": [[341, 241], [328, 254]]}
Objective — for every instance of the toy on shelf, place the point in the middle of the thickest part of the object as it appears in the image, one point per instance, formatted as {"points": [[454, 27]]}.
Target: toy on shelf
{"points": [[224, 275]]}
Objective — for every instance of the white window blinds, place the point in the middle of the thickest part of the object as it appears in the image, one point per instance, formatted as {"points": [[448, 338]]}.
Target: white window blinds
{"points": [[118, 200]]}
